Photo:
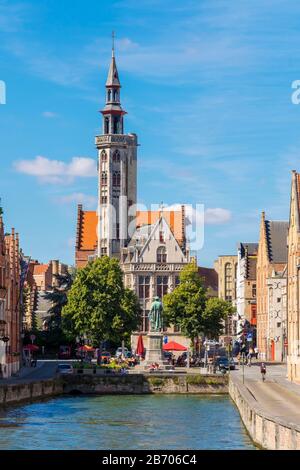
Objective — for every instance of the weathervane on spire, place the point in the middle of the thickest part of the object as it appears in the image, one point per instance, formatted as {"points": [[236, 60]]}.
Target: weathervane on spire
{"points": [[113, 43]]}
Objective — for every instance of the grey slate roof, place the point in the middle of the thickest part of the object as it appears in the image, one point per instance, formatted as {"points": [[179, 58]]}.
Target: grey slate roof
{"points": [[113, 76], [277, 240], [252, 248]]}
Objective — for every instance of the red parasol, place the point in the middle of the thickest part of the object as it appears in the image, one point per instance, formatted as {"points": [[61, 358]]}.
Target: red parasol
{"points": [[31, 347], [86, 348], [173, 346], [140, 346]]}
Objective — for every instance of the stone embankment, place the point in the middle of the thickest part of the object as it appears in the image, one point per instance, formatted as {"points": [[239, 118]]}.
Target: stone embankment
{"points": [[111, 384], [145, 383], [266, 428], [11, 394]]}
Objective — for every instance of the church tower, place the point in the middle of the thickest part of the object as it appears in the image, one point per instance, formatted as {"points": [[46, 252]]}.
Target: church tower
{"points": [[117, 171]]}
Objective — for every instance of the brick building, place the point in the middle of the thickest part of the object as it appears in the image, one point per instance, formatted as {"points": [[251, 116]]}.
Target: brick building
{"points": [[10, 312], [40, 279], [226, 267], [271, 262], [293, 282]]}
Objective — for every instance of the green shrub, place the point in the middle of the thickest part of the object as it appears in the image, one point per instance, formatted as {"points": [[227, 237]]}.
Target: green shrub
{"points": [[156, 381], [196, 379]]}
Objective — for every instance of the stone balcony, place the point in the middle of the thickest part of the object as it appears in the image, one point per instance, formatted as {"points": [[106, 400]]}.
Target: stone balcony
{"points": [[119, 139], [152, 267]]}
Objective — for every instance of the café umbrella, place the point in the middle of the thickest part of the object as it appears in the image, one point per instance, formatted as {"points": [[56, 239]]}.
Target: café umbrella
{"points": [[86, 348], [31, 347], [140, 350], [173, 346]]}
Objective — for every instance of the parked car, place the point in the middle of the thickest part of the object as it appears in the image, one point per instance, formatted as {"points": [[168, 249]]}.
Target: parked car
{"points": [[119, 352], [222, 363], [64, 369]]}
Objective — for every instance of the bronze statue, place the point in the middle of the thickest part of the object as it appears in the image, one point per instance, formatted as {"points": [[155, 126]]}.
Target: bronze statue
{"points": [[155, 315]]}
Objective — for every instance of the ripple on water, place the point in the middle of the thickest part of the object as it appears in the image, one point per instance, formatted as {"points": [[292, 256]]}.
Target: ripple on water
{"points": [[125, 422]]}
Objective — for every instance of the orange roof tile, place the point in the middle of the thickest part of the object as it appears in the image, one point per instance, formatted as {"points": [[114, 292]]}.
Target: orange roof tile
{"points": [[173, 218], [40, 269]]}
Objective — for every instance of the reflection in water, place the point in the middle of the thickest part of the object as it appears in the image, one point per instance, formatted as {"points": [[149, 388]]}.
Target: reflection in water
{"points": [[125, 422]]}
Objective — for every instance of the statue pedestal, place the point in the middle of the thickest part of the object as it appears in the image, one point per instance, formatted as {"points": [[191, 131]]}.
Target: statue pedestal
{"points": [[154, 352]]}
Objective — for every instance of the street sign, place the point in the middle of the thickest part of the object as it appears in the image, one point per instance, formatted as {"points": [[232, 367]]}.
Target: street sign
{"points": [[32, 337]]}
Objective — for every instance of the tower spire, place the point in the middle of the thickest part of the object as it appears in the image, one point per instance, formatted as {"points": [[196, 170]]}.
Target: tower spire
{"points": [[113, 112], [113, 44]]}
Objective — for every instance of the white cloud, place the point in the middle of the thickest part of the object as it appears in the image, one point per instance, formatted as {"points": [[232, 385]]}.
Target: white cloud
{"points": [[55, 171], [194, 215], [90, 202], [217, 215], [49, 114], [12, 17]]}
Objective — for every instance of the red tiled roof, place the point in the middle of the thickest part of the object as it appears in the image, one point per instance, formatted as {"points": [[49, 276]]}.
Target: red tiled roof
{"points": [[39, 269]]}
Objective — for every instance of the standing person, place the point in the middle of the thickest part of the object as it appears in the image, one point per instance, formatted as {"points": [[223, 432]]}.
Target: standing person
{"points": [[256, 351], [263, 371]]}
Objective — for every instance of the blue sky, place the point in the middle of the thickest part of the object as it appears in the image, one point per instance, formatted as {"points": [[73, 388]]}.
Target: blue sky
{"points": [[207, 88]]}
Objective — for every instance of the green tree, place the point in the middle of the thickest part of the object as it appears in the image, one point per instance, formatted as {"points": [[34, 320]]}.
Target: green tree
{"points": [[58, 298], [189, 307], [185, 306], [99, 306], [216, 311]]}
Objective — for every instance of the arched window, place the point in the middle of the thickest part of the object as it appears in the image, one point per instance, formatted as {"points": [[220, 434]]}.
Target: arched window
{"points": [[116, 178], [106, 125], [161, 286], [161, 254], [104, 178], [109, 95], [228, 281], [116, 125], [115, 95], [116, 156], [103, 156]]}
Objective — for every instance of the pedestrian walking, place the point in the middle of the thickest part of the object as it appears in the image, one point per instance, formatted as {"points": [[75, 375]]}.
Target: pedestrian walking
{"points": [[256, 351], [263, 371]]}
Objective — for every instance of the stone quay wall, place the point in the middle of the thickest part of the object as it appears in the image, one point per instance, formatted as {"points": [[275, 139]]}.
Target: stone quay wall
{"points": [[269, 432], [145, 383], [11, 394]]}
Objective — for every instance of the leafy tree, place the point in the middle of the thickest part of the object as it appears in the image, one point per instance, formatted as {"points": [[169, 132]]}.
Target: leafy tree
{"points": [[216, 311], [58, 298], [185, 305], [99, 306], [189, 307]]}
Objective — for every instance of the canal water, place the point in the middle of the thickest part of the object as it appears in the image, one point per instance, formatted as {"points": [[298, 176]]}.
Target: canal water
{"points": [[125, 422]]}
